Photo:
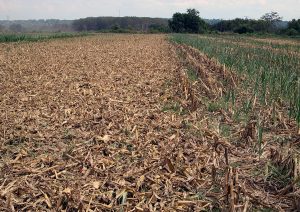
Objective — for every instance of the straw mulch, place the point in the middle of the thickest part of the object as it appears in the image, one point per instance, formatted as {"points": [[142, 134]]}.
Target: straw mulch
{"points": [[112, 122]]}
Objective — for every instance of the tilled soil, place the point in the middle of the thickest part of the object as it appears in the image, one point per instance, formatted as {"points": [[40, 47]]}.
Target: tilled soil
{"points": [[88, 124]]}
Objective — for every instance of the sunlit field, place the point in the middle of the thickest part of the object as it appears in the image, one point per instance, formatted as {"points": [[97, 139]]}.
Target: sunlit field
{"points": [[149, 122]]}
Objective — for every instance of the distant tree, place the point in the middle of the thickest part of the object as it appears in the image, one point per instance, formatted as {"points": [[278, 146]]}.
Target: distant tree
{"points": [[294, 24], [293, 28], [272, 18], [228, 25], [193, 22], [239, 25], [259, 25], [270, 23], [177, 24], [16, 28], [188, 22]]}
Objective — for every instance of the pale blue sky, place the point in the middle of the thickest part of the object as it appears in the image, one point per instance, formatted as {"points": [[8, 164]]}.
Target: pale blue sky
{"points": [[72, 9]]}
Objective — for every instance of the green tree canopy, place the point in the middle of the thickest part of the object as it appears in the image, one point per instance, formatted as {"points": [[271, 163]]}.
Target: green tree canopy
{"points": [[188, 22], [294, 24], [272, 18], [239, 25], [293, 27]]}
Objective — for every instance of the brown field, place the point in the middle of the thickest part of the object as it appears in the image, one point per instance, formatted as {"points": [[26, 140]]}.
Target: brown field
{"points": [[113, 123]]}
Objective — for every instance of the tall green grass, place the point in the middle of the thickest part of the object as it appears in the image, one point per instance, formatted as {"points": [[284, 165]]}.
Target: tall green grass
{"points": [[6, 38], [273, 76]]}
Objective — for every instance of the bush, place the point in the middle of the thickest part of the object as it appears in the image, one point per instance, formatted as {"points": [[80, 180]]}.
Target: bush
{"points": [[292, 32], [243, 30], [158, 28], [115, 27], [293, 28]]}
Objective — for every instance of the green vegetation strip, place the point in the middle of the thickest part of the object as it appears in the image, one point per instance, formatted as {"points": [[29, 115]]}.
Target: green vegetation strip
{"points": [[253, 40], [6, 38], [273, 76]]}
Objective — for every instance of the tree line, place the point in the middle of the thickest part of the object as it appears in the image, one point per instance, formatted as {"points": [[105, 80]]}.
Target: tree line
{"points": [[24, 26], [121, 24], [190, 22]]}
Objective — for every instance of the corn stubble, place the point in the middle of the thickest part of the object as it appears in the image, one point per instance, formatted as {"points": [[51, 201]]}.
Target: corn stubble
{"points": [[84, 127], [258, 132]]}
